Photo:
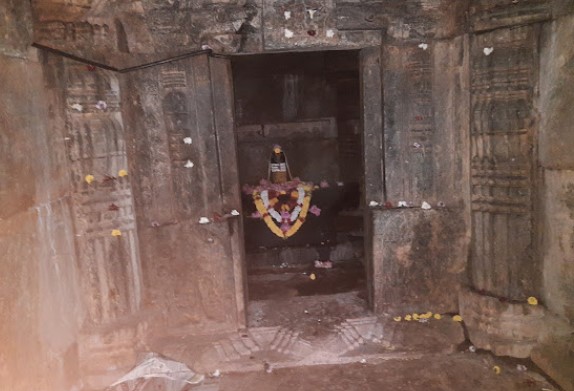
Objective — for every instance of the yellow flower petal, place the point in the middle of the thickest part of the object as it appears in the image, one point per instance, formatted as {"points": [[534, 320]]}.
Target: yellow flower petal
{"points": [[415, 316], [457, 318], [496, 369], [428, 314], [312, 276], [437, 316], [532, 300], [397, 318], [408, 318], [122, 173], [116, 232], [89, 178]]}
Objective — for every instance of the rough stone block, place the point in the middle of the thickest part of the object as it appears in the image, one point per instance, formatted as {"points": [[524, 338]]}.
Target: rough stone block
{"points": [[418, 259]]}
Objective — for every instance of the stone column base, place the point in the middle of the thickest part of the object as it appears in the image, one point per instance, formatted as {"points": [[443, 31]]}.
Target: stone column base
{"points": [[507, 329]]}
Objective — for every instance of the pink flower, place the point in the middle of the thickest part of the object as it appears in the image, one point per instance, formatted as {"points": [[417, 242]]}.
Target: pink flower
{"points": [[315, 210], [256, 215], [324, 184], [285, 227]]}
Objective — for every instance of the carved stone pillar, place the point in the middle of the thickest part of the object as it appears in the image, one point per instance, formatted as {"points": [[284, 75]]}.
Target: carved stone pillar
{"points": [[503, 79]]}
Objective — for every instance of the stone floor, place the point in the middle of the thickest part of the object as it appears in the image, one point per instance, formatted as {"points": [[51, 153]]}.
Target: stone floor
{"points": [[318, 334], [461, 371], [456, 372]]}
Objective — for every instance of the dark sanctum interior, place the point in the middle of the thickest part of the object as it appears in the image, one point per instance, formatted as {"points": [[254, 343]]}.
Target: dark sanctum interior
{"points": [[309, 104], [265, 195]]}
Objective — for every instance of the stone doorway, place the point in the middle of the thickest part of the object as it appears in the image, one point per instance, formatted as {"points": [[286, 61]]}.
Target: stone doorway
{"points": [[310, 104]]}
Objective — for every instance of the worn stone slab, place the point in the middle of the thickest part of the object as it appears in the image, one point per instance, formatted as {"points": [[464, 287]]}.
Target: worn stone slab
{"points": [[418, 260]]}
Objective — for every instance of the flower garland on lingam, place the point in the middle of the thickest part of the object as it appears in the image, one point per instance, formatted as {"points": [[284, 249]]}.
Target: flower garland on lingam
{"points": [[283, 203]]}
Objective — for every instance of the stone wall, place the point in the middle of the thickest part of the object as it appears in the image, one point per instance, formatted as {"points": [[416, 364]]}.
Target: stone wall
{"points": [[426, 106], [41, 304], [557, 166], [419, 260], [126, 33], [521, 179], [458, 121], [192, 271]]}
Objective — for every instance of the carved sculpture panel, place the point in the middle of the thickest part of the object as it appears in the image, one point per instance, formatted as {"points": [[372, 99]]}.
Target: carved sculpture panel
{"points": [[503, 77], [102, 197]]}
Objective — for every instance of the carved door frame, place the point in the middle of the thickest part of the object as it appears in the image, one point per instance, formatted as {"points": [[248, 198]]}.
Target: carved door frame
{"points": [[373, 186], [372, 121]]}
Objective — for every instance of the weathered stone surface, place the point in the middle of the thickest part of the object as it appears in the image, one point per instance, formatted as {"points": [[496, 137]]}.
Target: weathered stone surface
{"points": [[556, 138], [555, 146], [413, 20], [505, 328], [41, 304], [492, 14], [65, 275], [426, 122], [96, 146], [188, 268], [419, 260], [558, 239], [309, 24], [16, 27], [126, 33], [108, 352], [372, 120], [503, 123], [409, 124], [556, 358], [450, 137]]}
